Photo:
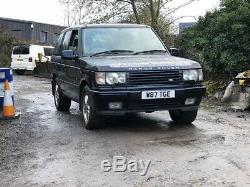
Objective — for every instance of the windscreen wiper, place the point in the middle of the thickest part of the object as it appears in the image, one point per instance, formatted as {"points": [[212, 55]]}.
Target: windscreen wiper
{"points": [[150, 51], [111, 52]]}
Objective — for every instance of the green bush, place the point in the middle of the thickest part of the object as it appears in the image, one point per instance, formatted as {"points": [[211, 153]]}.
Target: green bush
{"points": [[4, 60], [6, 44], [215, 86], [220, 41]]}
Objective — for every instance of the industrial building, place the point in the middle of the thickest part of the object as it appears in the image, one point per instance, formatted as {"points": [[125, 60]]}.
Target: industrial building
{"points": [[30, 31], [186, 25]]}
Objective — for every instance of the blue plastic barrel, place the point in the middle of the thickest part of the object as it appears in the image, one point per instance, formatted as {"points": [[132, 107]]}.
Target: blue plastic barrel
{"points": [[5, 74]]}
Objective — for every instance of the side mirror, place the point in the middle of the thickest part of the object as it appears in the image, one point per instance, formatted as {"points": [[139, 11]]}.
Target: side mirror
{"points": [[68, 55], [174, 52]]}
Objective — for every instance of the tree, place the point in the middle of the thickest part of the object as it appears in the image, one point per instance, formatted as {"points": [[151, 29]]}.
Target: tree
{"points": [[6, 44], [220, 40], [95, 11]]}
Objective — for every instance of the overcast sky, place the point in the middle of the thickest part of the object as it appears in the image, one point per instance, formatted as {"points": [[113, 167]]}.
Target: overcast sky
{"points": [[50, 11]]}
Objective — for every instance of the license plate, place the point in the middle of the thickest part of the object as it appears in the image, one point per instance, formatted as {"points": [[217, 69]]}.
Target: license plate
{"points": [[19, 60], [158, 94]]}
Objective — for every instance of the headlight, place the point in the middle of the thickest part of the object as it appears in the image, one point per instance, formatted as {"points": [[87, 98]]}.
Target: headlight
{"points": [[115, 78], [110, 78], [193, 75]]}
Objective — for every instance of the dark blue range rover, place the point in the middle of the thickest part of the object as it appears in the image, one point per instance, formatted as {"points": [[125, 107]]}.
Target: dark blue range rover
{"points": [[117, 69]]}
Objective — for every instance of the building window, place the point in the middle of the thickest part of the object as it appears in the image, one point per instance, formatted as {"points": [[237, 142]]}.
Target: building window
{"points": [[43, 37], [55, 37]]}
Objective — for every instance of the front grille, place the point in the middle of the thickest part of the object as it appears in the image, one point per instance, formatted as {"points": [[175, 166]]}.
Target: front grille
{"points": [[155, 77]]}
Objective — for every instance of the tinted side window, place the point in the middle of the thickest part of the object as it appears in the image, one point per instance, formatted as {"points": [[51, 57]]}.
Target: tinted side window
{"points": [[73, 44], [66, 40], [48, 51], [58, 47]]}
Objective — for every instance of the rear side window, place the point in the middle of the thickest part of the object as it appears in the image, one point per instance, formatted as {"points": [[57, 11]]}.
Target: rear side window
{"points": [[58, 47], [48, 51], [21, 50]]}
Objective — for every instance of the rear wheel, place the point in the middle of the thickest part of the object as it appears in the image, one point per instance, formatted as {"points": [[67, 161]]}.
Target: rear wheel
{"points": [[183, 117], [62, 102], [20, 72], [91, 119]]}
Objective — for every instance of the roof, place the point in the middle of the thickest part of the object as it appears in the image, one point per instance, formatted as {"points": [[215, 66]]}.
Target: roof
{"points": [[15, 20], [117, 25], [28, 22], [34, 45]]}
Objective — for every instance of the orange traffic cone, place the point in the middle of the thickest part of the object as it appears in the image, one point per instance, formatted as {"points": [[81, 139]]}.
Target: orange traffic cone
{"points": [[8, 106]]}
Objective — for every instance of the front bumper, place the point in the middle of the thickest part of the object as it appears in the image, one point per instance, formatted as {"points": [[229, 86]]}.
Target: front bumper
{"points": [[132, 102]]}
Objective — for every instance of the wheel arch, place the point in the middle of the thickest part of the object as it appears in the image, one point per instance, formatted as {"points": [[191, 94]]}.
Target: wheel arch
{"points": [[83, 83]]}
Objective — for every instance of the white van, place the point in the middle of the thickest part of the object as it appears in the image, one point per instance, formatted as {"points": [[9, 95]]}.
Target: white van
{"points": [[48, 52], [24, 57]]}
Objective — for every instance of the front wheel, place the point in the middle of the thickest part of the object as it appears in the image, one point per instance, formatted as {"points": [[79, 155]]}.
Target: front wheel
{"points": [[183, 117], [91, 119]]}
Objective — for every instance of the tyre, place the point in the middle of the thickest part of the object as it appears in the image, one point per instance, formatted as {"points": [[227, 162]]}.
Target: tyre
{"points": [[91, 119], [183, 117], [20, 72], [62, 102]]}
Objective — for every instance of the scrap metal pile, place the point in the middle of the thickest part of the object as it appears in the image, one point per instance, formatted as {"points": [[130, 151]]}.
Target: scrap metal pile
{"points": [[43, 67], [237, 94]]}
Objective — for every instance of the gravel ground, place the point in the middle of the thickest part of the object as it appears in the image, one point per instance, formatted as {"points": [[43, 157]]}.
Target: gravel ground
{"points": [[48, 148]]}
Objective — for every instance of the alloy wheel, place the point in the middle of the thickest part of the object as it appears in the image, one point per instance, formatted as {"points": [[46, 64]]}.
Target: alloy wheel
{"points": [[86, 109]]}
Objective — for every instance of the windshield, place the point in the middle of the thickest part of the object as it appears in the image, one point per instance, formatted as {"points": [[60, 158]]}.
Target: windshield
{"points": [[124, 39]]}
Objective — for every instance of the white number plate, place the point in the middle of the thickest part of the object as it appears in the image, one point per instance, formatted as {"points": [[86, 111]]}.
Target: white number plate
{"points": [[158, 94]]}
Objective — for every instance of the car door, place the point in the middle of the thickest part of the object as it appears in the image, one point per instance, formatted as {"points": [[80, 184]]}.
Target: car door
{"points": [[72, 70], [57, 62]]}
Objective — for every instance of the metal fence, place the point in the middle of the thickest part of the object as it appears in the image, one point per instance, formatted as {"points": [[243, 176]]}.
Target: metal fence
{"points": [[43, 69]]}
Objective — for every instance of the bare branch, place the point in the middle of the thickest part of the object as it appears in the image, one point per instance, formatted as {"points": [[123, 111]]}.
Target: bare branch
{"points": [[153, 12], [179, 7]]}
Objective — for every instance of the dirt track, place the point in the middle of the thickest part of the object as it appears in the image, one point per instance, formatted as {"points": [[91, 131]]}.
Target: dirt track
{"points": [[48, 148]]}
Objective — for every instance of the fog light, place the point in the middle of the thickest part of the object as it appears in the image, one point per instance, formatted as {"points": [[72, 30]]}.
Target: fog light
{"points": [[190, 101], [115, 106]]}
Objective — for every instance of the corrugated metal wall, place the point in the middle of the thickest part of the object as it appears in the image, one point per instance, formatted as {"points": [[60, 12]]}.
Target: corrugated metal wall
{"points": [[52, 31], [20, 30], [31, 31]]}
